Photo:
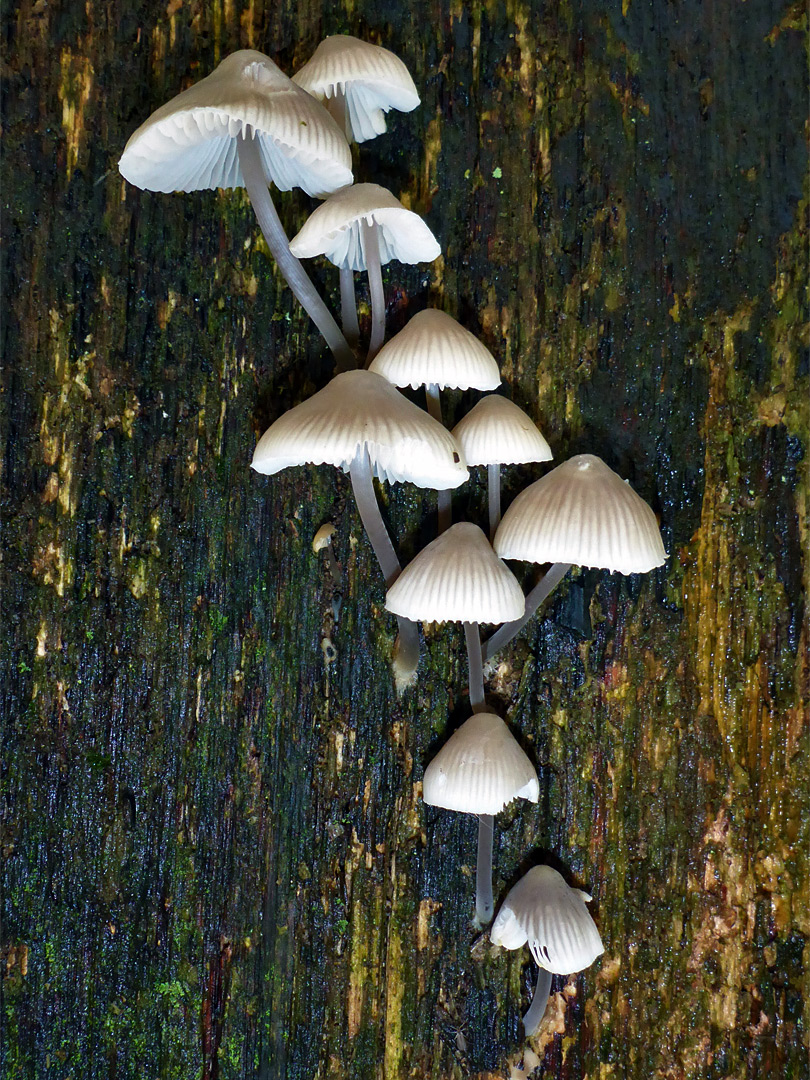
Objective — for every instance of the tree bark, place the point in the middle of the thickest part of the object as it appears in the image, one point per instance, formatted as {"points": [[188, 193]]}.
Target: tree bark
{"points": [[215, 857]]}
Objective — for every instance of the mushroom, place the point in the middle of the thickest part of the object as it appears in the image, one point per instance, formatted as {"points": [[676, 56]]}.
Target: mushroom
{"points": [[363, 425], [479, 770], [543, 910], [361, 227], [246, 125], [358, 83], [496, 432], [435, 351], [580, 513]]}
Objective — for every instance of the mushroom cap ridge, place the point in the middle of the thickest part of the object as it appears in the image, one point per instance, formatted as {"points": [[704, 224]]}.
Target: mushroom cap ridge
{"points": [[583, 513], [373, 79], [360, 409], [497, 432], [545, 911], [457, 578], [480, 769], [189, 143], [334, 229]]}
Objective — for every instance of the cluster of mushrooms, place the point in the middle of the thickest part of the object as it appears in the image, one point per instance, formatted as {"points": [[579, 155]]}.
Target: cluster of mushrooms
{"points": [[248, 124]]}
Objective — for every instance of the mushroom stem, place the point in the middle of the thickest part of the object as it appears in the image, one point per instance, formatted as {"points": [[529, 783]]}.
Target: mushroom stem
{"points": [[375, 287], [348, 307], [494, 486], [537, 1009], [547, 583], [337, 110], [472, 638], [484, 904], [406, 648], [292, 271], [434, 407]]}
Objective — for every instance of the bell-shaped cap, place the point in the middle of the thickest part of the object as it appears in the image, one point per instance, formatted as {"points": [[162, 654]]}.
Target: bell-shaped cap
{"points": [[190, 142], [543, 910], [334, 229], [497, 432], [583, 513], [457, 578], [480, 769], [359, 410], [433, 348], [372, 79]]}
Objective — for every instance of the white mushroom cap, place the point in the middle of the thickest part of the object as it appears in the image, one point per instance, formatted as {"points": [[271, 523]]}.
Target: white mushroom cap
{"points": [[584, 513], [457, 578], [372, 79], [543, 910], [497, 432], [359, 409], [334, 229], [190, 142], [480, 769], [434, 348]]}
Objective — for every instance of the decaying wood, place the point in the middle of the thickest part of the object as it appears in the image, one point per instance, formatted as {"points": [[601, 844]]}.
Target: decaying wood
{"points": [[215, 858]]}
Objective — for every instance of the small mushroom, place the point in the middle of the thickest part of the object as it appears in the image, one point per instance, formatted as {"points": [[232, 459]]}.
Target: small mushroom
{"points": [[479, 770], [358, 83], [496, 432], [551, 916], [363, 425], [581, 513], [247, 125], [362, 227], [435, 351]]}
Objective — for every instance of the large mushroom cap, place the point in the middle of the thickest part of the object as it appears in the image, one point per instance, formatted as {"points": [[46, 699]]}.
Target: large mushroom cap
{"points": [[497, 432], [334, 229], [357, 410], [434, 348], [480, 769], [543, 910], [373, 80], [583, 513], [190, 142], [457, 578]]}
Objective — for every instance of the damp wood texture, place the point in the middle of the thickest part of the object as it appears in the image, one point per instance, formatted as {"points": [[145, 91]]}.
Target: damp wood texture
{"points": [[215, 859]]}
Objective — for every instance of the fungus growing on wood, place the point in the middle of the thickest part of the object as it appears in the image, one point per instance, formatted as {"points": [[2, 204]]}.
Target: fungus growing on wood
{"points": [[497, 432], [363, 425], [358, 83], [551, 916], [580, 513], [479, 770], [362, 227], [248, 125], [435, 351]]}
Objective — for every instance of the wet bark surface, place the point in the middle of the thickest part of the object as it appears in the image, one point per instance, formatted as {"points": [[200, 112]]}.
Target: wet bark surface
{"points": [[215, 858]]}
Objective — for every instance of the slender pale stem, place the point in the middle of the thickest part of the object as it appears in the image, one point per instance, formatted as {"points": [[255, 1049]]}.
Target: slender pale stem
{"points": [[434, 407], [294, 274], [547, 583], [494, 487], [484, 904], [337, 110], [472, 638], [375, 287], [406, 649], [348, 306], [542, 988]]}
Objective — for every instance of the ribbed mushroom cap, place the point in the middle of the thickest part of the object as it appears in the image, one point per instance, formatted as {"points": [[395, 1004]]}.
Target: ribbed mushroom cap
{"points": [[434, 348], [190, 142], [360, 409], [543, 910], [583, 513], [372, 79], [457, 578], [480, 769], [334, 229], [496, 432]]}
